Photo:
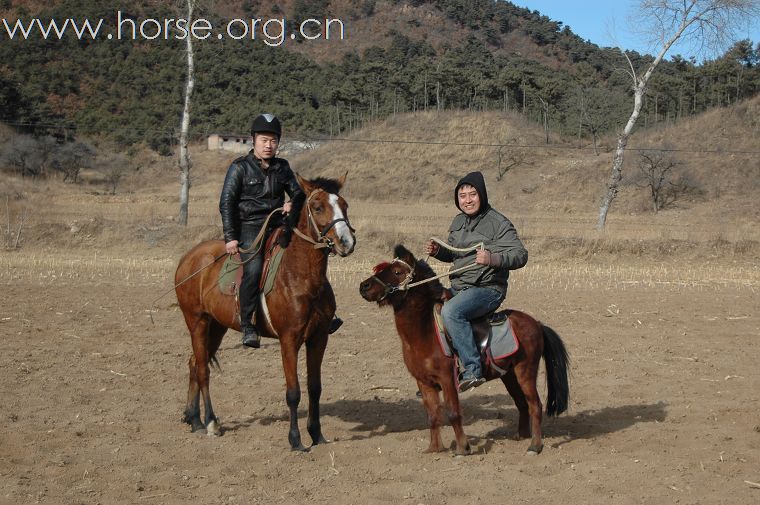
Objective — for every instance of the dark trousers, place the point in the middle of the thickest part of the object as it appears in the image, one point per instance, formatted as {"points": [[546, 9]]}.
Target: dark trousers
{"points": [[249, 285]]}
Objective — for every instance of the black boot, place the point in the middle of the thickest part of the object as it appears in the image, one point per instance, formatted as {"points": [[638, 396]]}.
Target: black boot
{"points": [[251, 337], [335, 324]]}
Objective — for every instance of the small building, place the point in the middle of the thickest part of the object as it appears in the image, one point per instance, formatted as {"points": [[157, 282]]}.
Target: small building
{"points": [[229, 142], [242, 144]]}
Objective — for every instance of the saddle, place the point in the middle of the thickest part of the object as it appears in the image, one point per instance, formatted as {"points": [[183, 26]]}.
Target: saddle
{"points": [[494, 335], [231, 273]]}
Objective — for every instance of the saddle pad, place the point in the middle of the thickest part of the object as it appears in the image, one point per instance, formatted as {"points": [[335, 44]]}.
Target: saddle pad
{"points": [[440, 332], [230, 275], [502, 341], [272, 260]]}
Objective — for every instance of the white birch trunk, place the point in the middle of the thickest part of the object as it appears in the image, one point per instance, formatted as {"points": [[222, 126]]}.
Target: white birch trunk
{"points": [[184, 154], [640, 86]]}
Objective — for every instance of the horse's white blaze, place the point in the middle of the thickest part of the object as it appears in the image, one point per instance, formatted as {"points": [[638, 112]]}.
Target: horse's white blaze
{"points": [[341, 228]]}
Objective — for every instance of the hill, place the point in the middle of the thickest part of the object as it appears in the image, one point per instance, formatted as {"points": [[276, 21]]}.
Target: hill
{"points": [[404, 157], [401, 172], [396, 57]]}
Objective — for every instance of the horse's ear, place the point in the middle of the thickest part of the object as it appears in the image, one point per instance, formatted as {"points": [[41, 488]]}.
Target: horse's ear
{"points": [[342, 180], [404, 254], [304, 183]]}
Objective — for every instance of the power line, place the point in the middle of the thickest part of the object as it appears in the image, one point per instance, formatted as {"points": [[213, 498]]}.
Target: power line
{"points": [[309, 138], [520, 146]]}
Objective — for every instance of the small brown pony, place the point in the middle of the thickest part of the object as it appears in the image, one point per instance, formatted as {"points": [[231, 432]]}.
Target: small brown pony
{"points": [[301, 306], [434, 371]]}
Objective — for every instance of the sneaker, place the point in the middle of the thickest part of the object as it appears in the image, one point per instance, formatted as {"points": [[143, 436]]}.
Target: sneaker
{"points": [[251, 338], [334, 325], [470, 382]]}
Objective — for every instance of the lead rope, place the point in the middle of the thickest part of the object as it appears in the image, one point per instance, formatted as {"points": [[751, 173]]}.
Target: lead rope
{"points": [[479, 246]]}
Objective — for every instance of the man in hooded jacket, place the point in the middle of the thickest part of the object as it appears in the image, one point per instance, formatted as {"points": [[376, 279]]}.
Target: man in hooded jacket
{"points": [[478, 290]]}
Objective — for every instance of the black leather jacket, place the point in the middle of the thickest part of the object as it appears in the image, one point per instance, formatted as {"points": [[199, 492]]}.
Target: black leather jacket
{"points": [[250, 193]]}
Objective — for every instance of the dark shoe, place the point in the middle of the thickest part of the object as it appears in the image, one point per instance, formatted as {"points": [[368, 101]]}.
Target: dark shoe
{"points": [[335, 324], [470, 382], [251, 338]]}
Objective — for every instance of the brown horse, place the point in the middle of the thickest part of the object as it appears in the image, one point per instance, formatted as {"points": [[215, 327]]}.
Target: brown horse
{"points": [[434, 371], [300, 306]]}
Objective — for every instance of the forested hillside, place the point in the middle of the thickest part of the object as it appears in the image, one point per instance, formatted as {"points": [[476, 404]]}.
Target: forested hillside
{"points": [[398, 56]]}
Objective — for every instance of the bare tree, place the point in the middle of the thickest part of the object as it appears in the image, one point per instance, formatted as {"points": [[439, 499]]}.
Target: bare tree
{"points": [[184, 154], [657, 171], [113, 169], [11, 232], [71, 158], [508, 158], [596, 112], [24, 155], [710, 23], [545, 117], [28, 155]]}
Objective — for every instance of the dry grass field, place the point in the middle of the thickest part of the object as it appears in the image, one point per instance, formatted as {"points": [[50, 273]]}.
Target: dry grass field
{"points": [[659, 313]]}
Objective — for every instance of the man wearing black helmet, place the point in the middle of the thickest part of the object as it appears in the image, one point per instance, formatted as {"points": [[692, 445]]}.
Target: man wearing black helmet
{"points": [[481, 289], [255, 185]]}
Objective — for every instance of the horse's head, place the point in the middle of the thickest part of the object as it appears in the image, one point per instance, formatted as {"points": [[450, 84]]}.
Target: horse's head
{"points": [[392, 278], [327, 214]]}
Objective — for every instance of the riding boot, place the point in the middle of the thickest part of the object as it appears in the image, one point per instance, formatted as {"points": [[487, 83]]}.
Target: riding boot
{"points": [[249, 291], [251, 337], [335, 324]]}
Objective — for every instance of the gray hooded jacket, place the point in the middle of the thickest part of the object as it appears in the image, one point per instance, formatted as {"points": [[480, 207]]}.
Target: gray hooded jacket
{"points": [[496, 232]]}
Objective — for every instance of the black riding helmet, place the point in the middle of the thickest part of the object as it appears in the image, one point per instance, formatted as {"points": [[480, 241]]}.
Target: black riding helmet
{"points": [[266, 123]]}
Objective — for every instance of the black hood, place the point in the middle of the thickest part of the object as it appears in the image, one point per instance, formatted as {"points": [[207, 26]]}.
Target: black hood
{"points": [[474, 179]]}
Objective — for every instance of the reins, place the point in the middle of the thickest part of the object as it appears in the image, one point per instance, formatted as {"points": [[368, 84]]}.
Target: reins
{"points": [[255, 246], [406, 284], [479, 246]]}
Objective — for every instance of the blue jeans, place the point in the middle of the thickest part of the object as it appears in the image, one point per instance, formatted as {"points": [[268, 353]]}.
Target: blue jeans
{"points": [[469, 304]]}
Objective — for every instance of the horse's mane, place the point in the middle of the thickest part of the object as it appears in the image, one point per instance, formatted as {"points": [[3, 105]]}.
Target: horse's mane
{"points": [[434, 288], [329, 185]]}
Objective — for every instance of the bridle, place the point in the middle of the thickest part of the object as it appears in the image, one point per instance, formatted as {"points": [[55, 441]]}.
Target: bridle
{"points": [[402, 286], [322, 240]]}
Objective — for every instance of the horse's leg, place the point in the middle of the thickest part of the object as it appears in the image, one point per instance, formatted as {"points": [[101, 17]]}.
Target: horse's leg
{"points": [[192, 415], [526, 374], [454, 413], [289, 352], [523, 424], [201, 354], [315, 351], [432, 403], [215, 332]]}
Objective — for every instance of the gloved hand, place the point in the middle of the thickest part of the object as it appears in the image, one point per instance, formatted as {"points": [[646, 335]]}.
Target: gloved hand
{"points": [[285, 237]]}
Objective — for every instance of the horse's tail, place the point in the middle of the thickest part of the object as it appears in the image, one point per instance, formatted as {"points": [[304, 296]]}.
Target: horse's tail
{"points": [[557, 362], [213, 361]]}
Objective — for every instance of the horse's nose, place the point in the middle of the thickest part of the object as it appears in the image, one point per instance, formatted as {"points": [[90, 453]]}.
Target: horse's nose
{"points": [[363, 287]]}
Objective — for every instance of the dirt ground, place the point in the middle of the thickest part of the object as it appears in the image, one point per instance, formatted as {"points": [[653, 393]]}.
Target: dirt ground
{"points": [[664, 395]]}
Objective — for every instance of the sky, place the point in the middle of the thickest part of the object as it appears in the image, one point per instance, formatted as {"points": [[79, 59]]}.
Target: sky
{"points": [[605, 23]]}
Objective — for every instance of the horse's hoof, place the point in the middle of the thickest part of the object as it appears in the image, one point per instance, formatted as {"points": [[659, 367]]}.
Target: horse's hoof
{"points": [[534, 450], [299, 449], [465, 452], [214, 429], [319, 440]]}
